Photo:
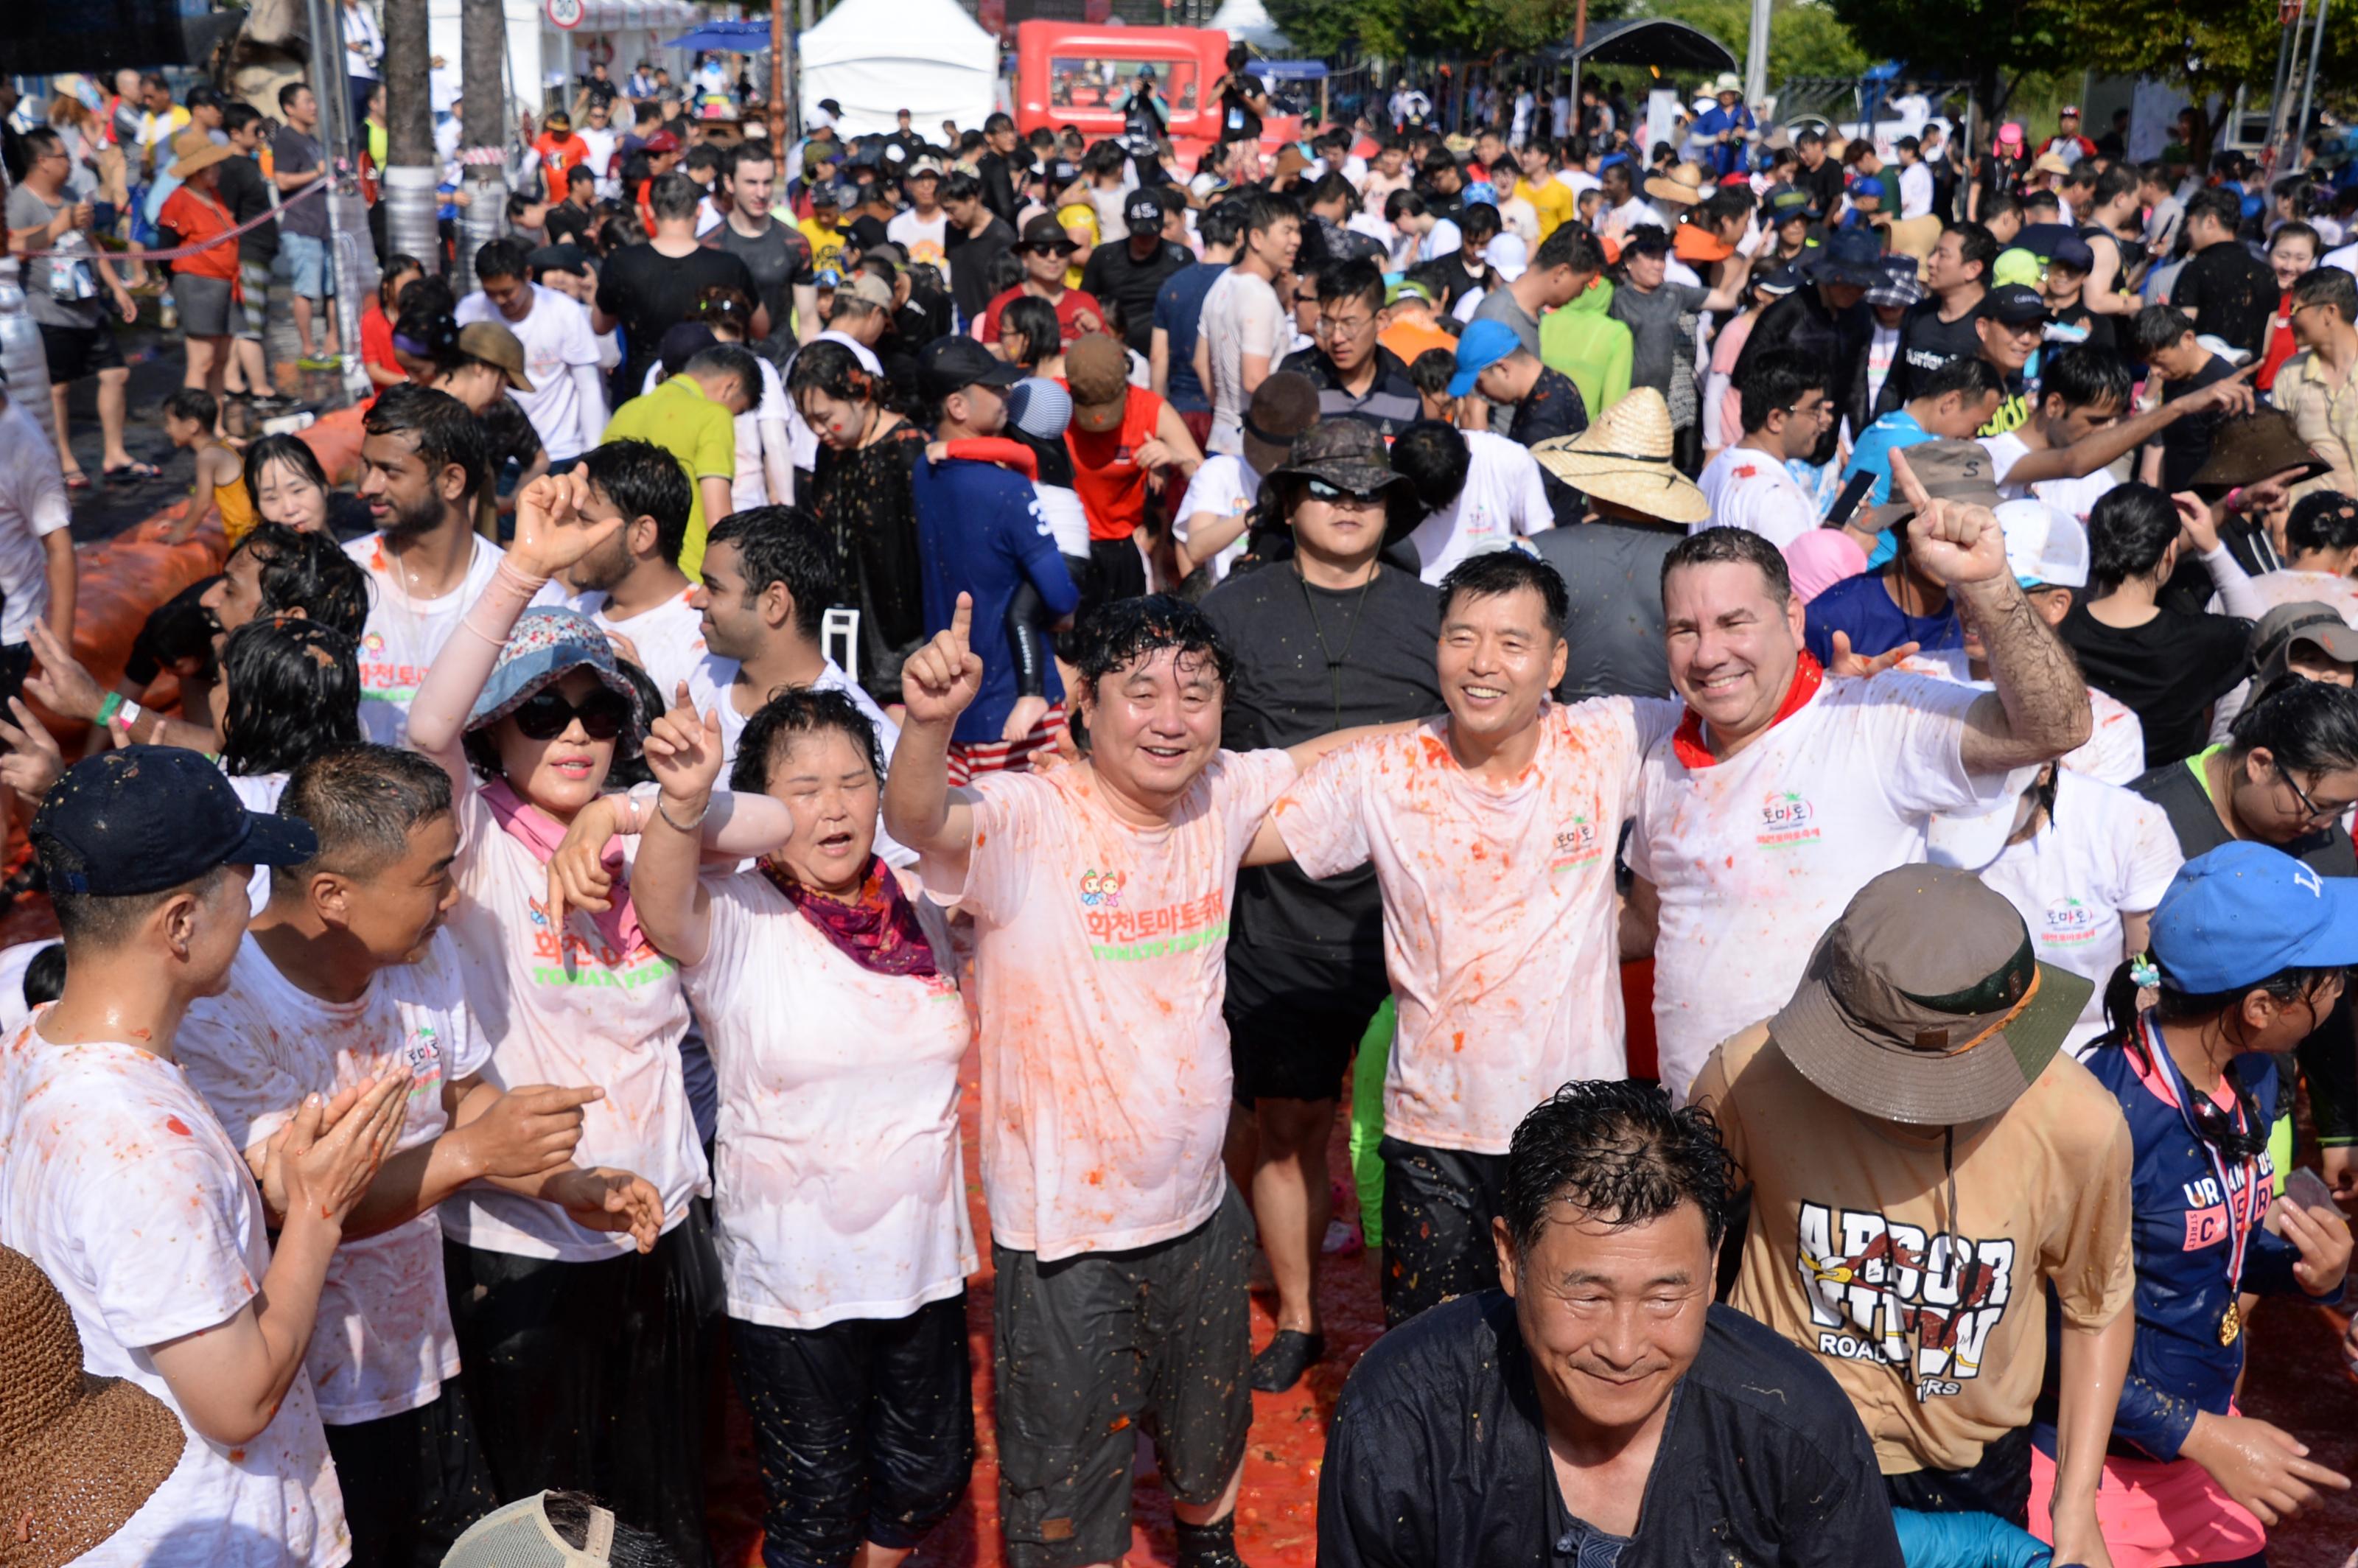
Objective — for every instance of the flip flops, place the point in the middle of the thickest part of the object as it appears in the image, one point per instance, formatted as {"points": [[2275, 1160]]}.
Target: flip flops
{"points": [[134, 472]]}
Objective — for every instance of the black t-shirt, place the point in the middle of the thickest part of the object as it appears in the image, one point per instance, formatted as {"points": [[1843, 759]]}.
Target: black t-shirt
{"points": [[1926, 343], [1613, 574], [1113, 275], [569, 223], [999, 177], [1284, 694], [1824, 184], [2232, 293], [1239, 120], [650, 293], [971, 257], [2170, 671], [247, 196], [2186, 443], [780, 259], [1438, 1455]]}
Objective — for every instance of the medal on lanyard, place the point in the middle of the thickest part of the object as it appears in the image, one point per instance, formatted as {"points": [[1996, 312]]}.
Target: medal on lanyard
{"points": [[2230, 1324]]}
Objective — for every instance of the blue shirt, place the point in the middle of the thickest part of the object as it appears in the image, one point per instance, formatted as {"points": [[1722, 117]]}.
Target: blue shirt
{"points": [[1726, 157], [1873, 455], [1862, 608], [979, 532], [1179, 311]]}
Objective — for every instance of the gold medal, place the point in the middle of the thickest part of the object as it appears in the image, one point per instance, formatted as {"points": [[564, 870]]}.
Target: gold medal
{"points": [[2231, 1326]]}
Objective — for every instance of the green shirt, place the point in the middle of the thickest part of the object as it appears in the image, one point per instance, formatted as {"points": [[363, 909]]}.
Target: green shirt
{"points": [[701, 434]]}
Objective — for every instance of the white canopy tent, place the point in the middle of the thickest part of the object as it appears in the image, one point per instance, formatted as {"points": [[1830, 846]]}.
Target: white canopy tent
{"points": [[1246, 22], [875, 57]]}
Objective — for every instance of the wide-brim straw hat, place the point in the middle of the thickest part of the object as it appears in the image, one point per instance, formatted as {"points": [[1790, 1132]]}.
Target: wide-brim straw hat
{"points": [[202, 158], [1682, 185], [2252, 446], [1624, 458], [79, 1453]]}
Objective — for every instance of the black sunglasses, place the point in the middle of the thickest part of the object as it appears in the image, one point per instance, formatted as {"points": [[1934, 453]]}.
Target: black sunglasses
{"points": [[2218, 1130], [544, 715], [1319, 489]]}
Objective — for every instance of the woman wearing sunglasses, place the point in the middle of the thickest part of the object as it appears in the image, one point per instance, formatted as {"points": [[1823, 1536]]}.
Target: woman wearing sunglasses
{"points": [[586, 1362], [2248, 952]]}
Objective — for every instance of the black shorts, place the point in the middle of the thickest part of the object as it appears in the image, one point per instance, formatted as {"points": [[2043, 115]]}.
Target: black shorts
{"points": [[1999, 1483], [412, 1482], [864, 1429], [76, 351], [1090, 1351], [1293, 1022], [1438, 1205]]}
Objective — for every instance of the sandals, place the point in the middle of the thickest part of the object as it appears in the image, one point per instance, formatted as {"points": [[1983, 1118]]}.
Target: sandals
{"points": [[77, 481], [134, 472]]}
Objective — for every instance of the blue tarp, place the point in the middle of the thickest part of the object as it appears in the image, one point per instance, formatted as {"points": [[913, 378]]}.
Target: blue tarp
{"points": [[1291, 70], [736, 38]]}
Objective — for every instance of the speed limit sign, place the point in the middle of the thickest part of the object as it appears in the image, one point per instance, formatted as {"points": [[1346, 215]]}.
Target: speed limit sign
{"points": [[566, 14]]}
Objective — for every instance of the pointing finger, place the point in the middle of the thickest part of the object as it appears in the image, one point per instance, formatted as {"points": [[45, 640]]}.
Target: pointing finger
{"points": [[1904, 480], [961, 619]]}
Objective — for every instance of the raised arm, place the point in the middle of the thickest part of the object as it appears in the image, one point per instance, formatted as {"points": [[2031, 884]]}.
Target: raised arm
{"points": [[2237, 596], [2098, 449], [937, 683], [682, 750], [2039, 709]]}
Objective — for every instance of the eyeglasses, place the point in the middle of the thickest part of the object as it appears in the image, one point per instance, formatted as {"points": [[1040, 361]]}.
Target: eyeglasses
{"points": [[1336, 494], [2309, 808], [544, 715], [1342, 326]]}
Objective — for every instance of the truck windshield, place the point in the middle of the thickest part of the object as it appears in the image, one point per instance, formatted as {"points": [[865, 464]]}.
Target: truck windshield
{"points": [[1100, 81]]}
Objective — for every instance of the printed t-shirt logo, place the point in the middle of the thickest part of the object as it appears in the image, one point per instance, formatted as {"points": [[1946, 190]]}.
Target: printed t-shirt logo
{"points": [[1129, 935], [585, 957], [1578, 845], [2211, 1217], [2070, 923], [1873, 1283], [1786, 818], [1101, 890], [421, 1052]]}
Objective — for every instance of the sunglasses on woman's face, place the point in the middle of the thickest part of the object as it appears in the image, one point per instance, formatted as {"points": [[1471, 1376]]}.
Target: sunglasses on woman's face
{"points": [[545, 716], [1322, 491]]}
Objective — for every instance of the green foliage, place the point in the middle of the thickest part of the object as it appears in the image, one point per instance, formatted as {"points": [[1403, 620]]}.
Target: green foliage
{"points": [[1805, 36], [1991, 42]]}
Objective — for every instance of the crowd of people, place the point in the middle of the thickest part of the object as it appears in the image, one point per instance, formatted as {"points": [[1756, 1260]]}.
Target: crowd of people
{"points": [[1224, 641]]}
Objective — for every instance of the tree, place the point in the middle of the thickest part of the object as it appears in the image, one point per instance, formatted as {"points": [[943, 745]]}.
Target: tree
{"points": [[411, 167], [2205, 46], [1805, 36], [1991, 43]]}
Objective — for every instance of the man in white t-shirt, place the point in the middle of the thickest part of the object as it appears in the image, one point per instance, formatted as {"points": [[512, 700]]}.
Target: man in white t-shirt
{"points": [[922, 229], [37, 554], [1481, 491], [346, 975], [117, 1181], [1786, 411], [632, 585], [1213, 523], [1245, 329], [2080, 425], [1100, 895], [1783, 790], [1492, 832], [567, 403], [597, 130], [422, 463]]}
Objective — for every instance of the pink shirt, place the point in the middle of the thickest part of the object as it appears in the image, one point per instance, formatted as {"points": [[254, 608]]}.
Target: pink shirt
{"points": [[1101, 965]]}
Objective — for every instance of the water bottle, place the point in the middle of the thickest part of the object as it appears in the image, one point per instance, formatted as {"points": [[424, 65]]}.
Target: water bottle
{"points": [[71, 278], [22, 359]]}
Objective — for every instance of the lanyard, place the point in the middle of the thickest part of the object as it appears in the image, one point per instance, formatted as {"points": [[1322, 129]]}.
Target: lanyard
{"points": [[2239, 1234]]}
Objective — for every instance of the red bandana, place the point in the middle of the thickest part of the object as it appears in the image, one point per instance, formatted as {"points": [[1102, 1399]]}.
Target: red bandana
{"points": [[1686, 743]]}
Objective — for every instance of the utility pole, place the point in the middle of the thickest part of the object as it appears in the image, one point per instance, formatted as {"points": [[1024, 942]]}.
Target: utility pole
{"points": [[411, 171], [1756, 57], [483, 57]]}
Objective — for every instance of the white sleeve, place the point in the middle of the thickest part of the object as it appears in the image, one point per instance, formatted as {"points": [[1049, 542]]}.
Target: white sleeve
{"points": [[2150, 857], [1916, 737], [1532, 513]]}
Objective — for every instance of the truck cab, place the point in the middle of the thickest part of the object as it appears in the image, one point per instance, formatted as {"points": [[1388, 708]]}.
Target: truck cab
{"points": [[1068, 73]]}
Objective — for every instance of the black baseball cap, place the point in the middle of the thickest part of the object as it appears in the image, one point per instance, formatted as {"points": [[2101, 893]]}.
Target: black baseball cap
{"points": [[2015, 304], [953, 365], [146, 819], [1144, 210]]}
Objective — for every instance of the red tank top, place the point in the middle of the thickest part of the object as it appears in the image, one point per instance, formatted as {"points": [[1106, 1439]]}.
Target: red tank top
{"points": [[1105, 471]]}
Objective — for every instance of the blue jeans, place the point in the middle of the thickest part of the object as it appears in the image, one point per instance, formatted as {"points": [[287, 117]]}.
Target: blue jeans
{"points": [[303, 260]]}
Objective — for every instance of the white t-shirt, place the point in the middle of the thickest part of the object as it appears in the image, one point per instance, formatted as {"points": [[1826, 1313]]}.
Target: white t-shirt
{"points": [[752, 486], [1242, 316], [33, 505], [2113, 753], [838, 1190], [259, 792], [117, 1181], [669, 637], [555, 336], [1225, 486], [1749, 489], [383, 1343], [923, 241], [1578, 181], [2072, 497], [580, 1011], [2104, 852], [14, 961], [1101, 966], [1499, 910], [1756, 855], [403, 635], [1503, 498], [711, 687], [1915, 191], [601, 161]]}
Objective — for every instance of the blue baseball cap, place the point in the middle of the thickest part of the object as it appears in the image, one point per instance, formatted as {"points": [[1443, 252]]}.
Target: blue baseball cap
{"points": [[1480, 346], [145, 818], [2246, 912]]}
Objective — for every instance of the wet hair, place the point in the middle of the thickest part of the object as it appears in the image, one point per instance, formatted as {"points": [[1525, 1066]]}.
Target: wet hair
{"points": [[44, 977], [445, 434], [790, 715], [1345, 280], [1974, 243], [179, 629], [194, 405], [1494, 574], [429, 294], [673, 196], [2322, 519], [1740, 547], [2130, 528], [308, 572], [2156, 328], [788, 545], [292, 450], [1265, 210], [1124, 631], [718, 306], [294, 691], [1434, 458], [1403, 203], [1571, 245], [730, 360], [2221, 206], [1331, 187], [1615, 1151], [2083, 376], [644, 481], [1432, 371], [2308, 725], [1036, 321], [2115, 181], [502, 259], [960, 185], [1478, 222], [1967, 374], [2328, 286], [833, 370], [1648, 240], [2174, 1006], [1777, 378], [1998, 206]]}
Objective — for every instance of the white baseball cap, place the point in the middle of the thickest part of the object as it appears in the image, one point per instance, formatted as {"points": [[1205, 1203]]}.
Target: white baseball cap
{"points": [[2044, 547]]}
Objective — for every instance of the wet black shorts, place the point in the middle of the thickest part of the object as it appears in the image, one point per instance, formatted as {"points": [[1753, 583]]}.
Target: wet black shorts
{"points": [[413, 1481], [74, 353], [1438, 1205], [1092, 1350], [1294, 1021]]}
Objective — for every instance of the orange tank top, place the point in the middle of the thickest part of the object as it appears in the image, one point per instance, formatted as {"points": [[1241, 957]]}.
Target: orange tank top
{"points": [[1105, 471]]}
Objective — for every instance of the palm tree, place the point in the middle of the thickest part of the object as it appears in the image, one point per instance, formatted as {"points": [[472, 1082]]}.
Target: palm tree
{"points": [[411, 170], [482, 51]]}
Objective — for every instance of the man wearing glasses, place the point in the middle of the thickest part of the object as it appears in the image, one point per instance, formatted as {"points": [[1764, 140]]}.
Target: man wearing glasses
{"points": [[1357, 377], [2313, 386]]}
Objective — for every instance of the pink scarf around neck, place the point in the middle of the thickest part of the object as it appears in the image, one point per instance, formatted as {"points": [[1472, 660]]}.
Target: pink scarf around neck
{"points": [[541, 833]]}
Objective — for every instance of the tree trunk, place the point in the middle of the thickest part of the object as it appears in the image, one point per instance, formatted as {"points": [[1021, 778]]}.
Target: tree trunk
{"points": [[410, 167], [482, 48]]}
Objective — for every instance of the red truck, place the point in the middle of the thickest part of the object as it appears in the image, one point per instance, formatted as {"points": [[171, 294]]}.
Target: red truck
{"points": [[1068, 73]]}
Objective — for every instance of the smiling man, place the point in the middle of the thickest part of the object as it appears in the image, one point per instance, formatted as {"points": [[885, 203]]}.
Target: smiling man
{"points": [[1528, 1424]]}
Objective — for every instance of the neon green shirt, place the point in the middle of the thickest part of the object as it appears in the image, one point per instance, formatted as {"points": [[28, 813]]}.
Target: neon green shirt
{"points": [[700, 433]]}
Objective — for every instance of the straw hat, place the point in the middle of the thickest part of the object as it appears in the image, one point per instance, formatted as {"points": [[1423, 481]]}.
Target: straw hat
{"points": [[1624, 458], [79, 1455], [201, 158], [1682, 186]]}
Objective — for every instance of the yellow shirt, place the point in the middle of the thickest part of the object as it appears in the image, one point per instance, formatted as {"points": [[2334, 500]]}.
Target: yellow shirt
{"points": [[700, 433], [825, 243], [1552, 199], [1079, 215]]}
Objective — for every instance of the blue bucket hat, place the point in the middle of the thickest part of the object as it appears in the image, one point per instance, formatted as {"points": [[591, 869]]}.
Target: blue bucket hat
{"points": [[547, 642], [2246, 912]]}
